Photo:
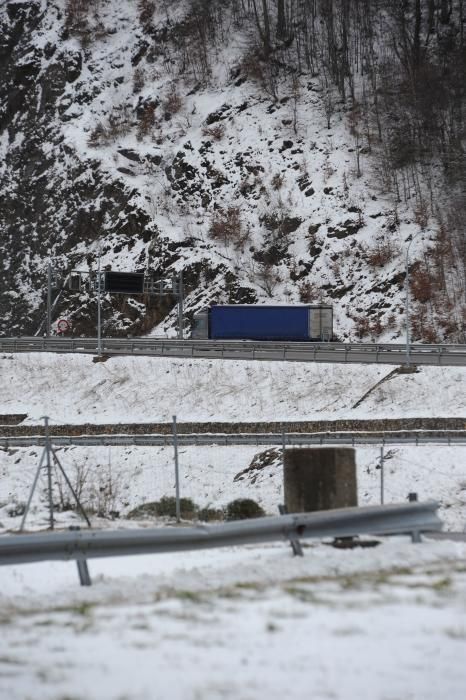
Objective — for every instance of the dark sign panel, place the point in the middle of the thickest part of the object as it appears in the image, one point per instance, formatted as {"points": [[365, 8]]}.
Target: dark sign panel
{"points": [[124, 282]]}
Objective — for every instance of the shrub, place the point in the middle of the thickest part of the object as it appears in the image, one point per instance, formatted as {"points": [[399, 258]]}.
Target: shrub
{"points": [[209, 514], [146, 121], [380, 255], [165, 507], [277, 181], [146, 9], [242, 509], [267, 277], [75, 13], [118, 124], [172, 103], [146, 510], [308, 292], [226, 226], [364, 326], [138, 80], [421, 284], [216, 132]]}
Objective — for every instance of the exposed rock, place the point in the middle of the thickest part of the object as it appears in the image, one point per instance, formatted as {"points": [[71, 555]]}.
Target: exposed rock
{"points": [[348, 228], [130, 154]]}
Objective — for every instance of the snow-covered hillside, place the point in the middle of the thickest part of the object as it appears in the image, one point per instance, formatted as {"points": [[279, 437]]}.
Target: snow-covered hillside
{"points": [[108, 139], [73, 389]]}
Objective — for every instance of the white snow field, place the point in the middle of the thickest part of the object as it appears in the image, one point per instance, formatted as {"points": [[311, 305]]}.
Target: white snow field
{"points": [[73, 389], [246, 623]]}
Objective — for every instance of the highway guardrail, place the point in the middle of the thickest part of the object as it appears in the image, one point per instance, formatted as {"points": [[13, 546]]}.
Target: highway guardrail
{"points": [[393, 354]]}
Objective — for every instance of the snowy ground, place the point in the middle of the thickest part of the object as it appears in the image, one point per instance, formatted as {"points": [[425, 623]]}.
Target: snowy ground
{"points": [[384, 623], [73, 389]]}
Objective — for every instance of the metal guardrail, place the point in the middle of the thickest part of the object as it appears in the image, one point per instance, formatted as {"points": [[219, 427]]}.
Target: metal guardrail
{"points": [[395, 354], [393, 519], [426, 437]]}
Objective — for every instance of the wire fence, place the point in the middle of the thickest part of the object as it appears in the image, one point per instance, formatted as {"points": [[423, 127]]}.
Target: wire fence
{"points": [[112, 481]]}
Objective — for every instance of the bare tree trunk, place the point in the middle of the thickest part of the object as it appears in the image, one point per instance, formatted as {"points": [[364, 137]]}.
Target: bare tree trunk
{"points": [[264, 31], [417, 36], [281, 20]]}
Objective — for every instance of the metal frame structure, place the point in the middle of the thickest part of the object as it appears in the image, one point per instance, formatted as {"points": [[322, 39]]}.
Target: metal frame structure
{"points": [[49, 456], [95, 281]]}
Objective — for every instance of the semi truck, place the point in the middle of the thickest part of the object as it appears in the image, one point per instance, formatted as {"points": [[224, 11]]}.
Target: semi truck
{"points": [[303, 322]]}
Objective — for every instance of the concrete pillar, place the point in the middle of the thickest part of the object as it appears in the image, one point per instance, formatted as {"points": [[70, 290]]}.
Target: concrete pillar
{"points": [[319, 478]]}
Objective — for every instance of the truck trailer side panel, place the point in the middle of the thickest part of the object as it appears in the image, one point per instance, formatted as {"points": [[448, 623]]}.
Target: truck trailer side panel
{"points": [[259, 322]]}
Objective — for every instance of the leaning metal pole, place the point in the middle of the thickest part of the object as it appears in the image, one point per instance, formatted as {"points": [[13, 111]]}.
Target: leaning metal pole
{"points": [[31, 493]]}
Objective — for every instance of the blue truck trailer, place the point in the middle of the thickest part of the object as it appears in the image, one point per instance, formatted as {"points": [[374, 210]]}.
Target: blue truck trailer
{"points": [[253, 322]]}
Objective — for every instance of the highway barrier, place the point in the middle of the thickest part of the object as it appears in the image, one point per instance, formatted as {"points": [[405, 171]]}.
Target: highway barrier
{"points": [[392, 354]]}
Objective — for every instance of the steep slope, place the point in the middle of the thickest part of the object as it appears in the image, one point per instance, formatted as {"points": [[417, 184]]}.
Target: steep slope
{"points": [[121, 131]]}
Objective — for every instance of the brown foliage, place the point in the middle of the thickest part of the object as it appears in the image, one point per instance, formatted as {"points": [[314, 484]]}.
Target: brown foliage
{"points": [[380, 255], [277, 181], [146, 121], [215, 132], [173, 102], [308, 292], [118, 124], [226, 226], [138, 80], [365, 326], [421, 284], [146, 9]]}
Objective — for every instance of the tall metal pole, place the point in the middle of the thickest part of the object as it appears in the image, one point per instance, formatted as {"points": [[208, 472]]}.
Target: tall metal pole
{"points": [[180, 305], [49, 299], [177, 472], [407, 299], [99, 329]]}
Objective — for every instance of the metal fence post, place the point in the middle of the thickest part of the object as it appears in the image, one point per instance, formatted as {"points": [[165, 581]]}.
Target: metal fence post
{"points": [[381, 475], [177, 473]]}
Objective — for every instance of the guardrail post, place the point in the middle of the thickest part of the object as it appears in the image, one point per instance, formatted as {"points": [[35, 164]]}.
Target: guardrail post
{"points": [[294, 541], [81, 563], [83, 572]]}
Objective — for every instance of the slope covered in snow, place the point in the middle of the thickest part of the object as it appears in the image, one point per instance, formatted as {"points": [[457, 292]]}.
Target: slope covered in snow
{"points": [[73, 389]]}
